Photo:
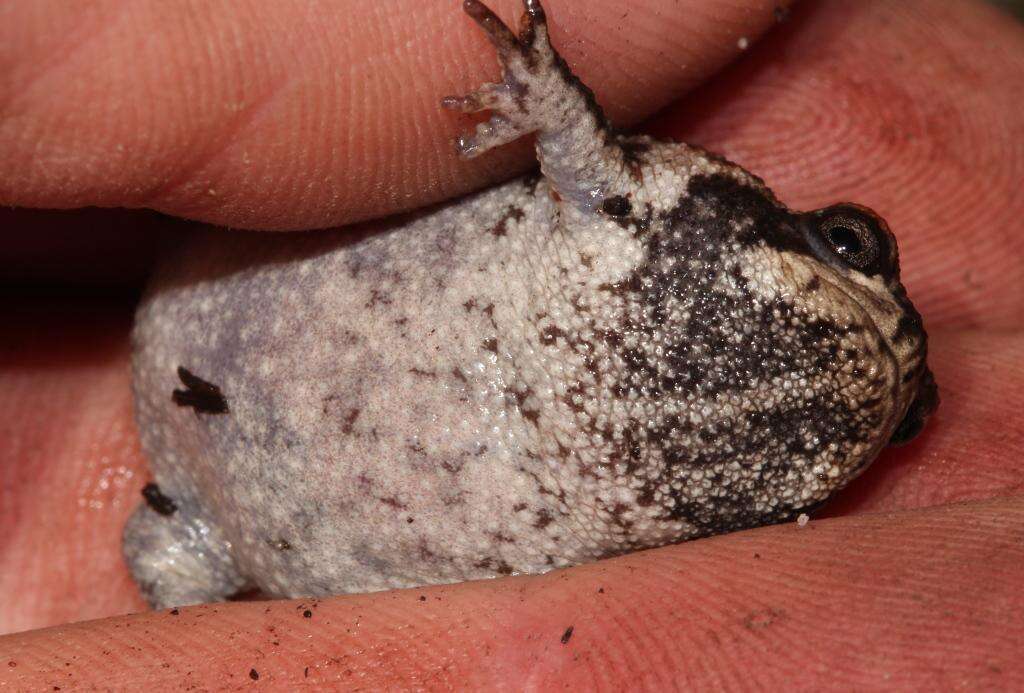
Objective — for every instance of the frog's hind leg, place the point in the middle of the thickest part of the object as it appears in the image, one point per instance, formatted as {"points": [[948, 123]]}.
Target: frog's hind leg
{"points": [[581, 157], [537, 89], [176, 558]]}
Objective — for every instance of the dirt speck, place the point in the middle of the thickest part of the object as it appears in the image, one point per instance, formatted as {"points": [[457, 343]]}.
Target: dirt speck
{"points": [[762, 618], [567, 635]]}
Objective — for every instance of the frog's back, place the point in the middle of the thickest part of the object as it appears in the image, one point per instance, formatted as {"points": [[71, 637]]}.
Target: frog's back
{"points": [[367, 437]]}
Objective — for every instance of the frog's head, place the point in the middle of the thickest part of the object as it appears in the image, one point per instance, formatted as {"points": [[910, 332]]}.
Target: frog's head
{"points": [[815, 296], [862, 258], [765, 355]]}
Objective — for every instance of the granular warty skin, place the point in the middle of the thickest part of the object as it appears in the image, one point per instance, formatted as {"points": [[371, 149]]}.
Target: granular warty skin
{"points": [[639, 346]]}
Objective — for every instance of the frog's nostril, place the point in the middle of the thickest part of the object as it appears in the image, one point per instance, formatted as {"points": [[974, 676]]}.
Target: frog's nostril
{"points": [[924, 404]]}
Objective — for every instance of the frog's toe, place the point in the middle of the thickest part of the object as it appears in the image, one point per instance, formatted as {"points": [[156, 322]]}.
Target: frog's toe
{"points": [[496, 30], [496, 131], [487, 97], [178, 560], [529, 64]]}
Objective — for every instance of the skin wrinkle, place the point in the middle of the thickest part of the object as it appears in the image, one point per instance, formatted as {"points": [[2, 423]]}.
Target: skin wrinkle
{"points": [[23, 80], [275, 89], [761, 620], [184, 177], [700, 604]]}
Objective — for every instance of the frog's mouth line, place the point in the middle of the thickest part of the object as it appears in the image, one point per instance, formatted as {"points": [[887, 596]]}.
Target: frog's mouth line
{"points": [[907, 419], [925, 400]]}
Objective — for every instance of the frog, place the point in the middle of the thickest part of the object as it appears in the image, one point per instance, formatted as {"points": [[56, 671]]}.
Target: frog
{"points": [[635, 346]]}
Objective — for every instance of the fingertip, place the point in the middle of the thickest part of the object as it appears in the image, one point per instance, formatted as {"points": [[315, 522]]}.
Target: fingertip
{"points": [[261, 116]]}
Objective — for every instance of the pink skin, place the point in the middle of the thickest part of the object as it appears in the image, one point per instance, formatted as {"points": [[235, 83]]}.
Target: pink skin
{"points": [[915, 582]]}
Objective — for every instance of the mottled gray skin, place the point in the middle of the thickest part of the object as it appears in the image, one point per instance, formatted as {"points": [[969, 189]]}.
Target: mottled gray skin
{"points": [[642, 346]]}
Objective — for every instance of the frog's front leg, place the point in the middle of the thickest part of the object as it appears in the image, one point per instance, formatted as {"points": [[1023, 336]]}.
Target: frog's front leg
{"points": [[177, 558], [580, 156]]}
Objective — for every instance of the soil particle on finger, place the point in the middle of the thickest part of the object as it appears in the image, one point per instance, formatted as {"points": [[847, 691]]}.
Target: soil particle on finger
{"points": [[567, 635]]}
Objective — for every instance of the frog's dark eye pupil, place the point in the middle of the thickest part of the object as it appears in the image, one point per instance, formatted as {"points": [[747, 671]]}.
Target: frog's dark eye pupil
{"points": [[845, 240]]}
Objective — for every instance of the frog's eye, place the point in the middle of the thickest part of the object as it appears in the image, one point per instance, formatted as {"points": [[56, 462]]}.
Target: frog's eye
{"points": [[851, 239], [853, 236]]}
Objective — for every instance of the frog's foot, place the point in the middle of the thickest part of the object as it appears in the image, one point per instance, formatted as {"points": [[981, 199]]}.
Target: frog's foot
{"points": [[178, 560], [538, 92]]}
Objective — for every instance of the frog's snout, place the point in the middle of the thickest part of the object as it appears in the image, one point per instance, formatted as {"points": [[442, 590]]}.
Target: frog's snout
{"points": [[924, 404]]}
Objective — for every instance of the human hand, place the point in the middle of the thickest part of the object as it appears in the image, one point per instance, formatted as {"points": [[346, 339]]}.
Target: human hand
{"points": [[910, 108]]}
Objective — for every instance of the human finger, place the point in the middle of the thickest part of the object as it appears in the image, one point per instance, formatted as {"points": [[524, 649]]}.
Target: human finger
{"points": [[909, 600], [286, 115]]}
